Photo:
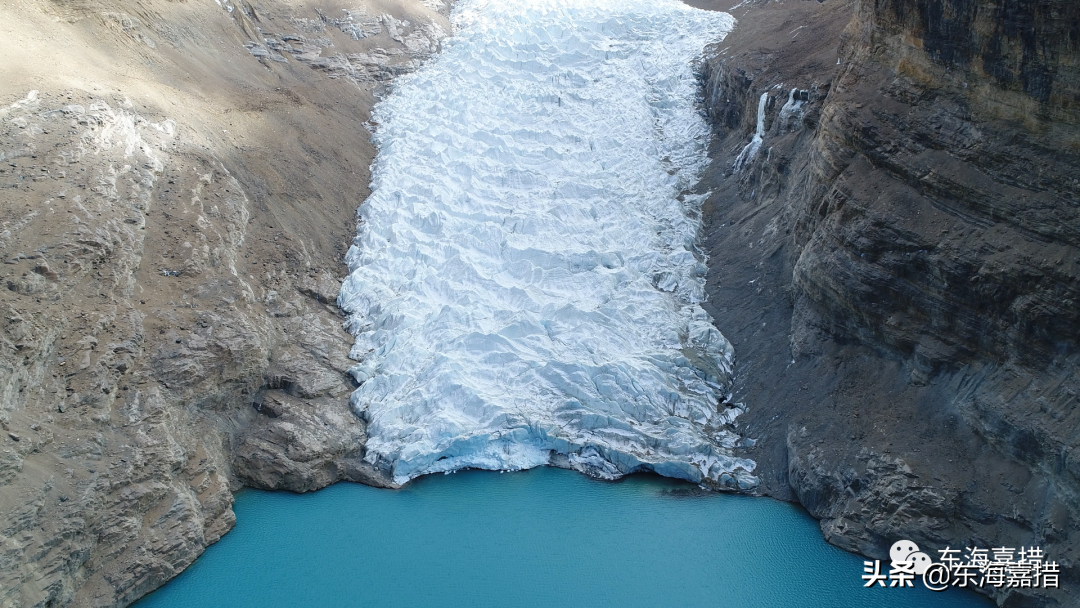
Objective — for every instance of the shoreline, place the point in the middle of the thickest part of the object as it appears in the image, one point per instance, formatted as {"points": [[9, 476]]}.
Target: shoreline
{"points": [[181, 190]]}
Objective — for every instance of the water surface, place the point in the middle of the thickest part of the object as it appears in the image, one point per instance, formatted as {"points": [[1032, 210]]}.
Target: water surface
{"points": [[539, 538]]}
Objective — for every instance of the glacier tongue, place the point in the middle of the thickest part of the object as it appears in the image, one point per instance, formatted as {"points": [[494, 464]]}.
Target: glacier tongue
{"points": [[524, 287]]}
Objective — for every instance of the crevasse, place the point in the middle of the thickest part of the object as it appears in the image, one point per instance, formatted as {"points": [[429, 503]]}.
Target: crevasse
{"points": [[524, 286]]}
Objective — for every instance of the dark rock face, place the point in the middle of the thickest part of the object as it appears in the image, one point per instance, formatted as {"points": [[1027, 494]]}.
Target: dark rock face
{"points": [[1019, 44], [908, 343], [983, 175]]}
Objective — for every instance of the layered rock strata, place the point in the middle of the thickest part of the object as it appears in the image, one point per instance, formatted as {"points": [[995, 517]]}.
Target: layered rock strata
{"points": [[897, 267]]}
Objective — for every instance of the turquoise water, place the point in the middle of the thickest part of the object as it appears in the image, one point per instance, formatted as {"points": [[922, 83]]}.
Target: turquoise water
{"points": [[543, 537]]}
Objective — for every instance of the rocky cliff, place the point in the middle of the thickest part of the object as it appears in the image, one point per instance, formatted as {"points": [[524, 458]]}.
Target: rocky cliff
{"points": [[894, 258], [179, 184], [896, 264]]}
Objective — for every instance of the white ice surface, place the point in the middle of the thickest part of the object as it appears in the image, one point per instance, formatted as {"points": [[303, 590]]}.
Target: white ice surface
{"points": [[792, 111], [524, 285], [751, 149]]}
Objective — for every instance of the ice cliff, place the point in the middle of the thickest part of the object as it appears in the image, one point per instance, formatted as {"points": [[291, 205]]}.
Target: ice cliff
{"points": [[524, 287]]}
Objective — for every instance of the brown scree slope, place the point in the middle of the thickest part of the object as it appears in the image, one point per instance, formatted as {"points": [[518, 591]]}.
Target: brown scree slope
{"points": [[178, 186]]}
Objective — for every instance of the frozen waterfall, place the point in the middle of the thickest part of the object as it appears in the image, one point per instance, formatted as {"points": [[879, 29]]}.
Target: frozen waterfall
{"points": [[751, 149], [524, 287]]}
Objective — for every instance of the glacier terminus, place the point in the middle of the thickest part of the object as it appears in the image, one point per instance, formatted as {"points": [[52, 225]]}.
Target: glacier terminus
{"points": [[524, 287]]}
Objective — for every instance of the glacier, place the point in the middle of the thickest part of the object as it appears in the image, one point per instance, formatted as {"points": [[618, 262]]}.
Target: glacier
{"points": [[524, 285]]}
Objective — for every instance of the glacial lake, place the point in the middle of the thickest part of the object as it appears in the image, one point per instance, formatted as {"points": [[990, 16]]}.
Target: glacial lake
{"points": [[539, 538]]}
